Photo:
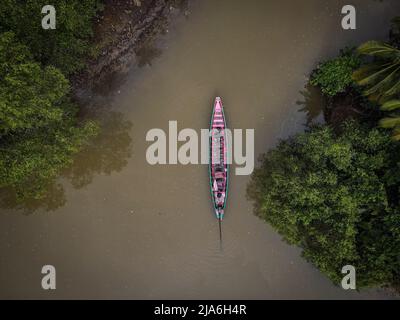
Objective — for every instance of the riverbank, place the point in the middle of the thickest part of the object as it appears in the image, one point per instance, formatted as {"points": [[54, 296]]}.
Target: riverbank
{"points": [[121, 30], [340, 185]]}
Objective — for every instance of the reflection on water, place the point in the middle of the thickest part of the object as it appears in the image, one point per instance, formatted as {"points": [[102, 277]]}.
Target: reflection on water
{"points": [[107, 153], [312, 105], [54, 198]]}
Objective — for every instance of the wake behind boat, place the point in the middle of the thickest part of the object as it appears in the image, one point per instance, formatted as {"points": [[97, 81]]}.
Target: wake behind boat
{"points": [[218, 164]]}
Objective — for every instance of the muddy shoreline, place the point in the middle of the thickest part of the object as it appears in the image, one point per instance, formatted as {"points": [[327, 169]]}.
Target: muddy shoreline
{"points": [[121, 30]]}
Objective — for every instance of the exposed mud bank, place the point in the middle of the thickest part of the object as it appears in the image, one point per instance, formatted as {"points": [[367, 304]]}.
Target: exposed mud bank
{"points": [[121, 30]]}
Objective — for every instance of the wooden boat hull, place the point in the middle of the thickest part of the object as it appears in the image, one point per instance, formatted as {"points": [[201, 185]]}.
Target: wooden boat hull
{"points": [[218, 162]]}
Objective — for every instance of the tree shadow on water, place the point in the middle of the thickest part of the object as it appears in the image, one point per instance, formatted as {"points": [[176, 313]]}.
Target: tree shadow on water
{"points": [[312, 105], [53, 199], [106, 153]]}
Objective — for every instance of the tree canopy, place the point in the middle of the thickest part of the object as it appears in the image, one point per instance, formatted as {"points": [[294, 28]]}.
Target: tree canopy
{"points": [[336, 196], [30, 96], [335, 75], [39, 132], [39, 128], [381, 77], [67, 46]]}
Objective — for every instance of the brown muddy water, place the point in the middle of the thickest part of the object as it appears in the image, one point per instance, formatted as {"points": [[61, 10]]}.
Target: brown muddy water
{"points": [[121, 228]]}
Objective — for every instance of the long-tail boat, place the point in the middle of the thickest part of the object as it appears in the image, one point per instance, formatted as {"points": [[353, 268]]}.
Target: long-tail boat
{"points": [[218, 164]]}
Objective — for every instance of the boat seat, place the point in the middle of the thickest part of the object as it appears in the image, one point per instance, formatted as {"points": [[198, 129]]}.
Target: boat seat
{"points": [[219, 175]]}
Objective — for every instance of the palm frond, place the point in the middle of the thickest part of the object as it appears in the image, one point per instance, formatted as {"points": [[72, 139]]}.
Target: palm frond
{"points": [[391, 105], [384, 84], [369, 73], [390, 122], [379, 49], [396, 134], [393, 90]]}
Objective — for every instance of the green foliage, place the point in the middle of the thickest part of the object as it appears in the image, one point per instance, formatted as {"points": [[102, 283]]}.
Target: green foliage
{"points": [[30, 96], [30, 161], [65, 47], [336, 196], [38, 130], [393, 121], [381, 77], [103, 154], [335, 76]]}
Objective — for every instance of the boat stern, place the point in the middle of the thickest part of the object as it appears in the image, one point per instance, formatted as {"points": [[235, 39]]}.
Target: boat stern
{"points": [[219, 213]]}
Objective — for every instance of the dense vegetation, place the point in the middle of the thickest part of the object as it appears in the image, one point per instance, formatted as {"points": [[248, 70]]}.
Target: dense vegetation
{"points": [[335, 195], [380, 77], [64, 48], [335, 75], [39, 130], [334, 190]]}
